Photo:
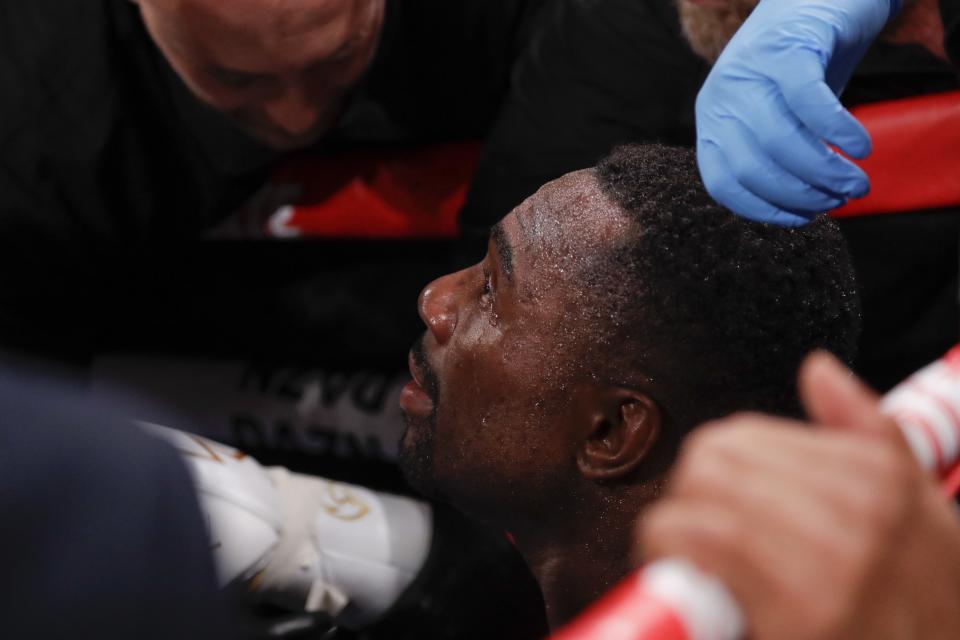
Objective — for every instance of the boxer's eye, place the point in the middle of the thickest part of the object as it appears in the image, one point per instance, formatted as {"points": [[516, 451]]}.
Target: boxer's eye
{"points": [[487, 297]]}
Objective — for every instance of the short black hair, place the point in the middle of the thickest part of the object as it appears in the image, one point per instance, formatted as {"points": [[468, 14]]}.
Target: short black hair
{"points": [[719, 309]]}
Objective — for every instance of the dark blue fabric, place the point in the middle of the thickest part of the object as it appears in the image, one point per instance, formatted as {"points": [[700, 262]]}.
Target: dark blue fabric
{"points": [[100, 532]]}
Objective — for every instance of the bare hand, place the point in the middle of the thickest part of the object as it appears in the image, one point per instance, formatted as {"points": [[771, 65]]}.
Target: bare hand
{"points": [[824, 533]]}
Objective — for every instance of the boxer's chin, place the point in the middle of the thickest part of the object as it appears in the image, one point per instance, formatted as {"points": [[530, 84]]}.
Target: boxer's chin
{"points": [[416, 456], [709, 27]]}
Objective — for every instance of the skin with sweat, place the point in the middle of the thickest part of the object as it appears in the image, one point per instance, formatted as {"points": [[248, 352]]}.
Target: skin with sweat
{"points": [[282, 70], [506, 421]]}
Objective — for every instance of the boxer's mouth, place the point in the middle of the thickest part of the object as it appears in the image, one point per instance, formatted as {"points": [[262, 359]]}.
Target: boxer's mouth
{"points": [[414, 399]]}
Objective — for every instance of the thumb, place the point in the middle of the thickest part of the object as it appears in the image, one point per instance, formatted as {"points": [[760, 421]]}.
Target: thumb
{"points": [[835, 398]]}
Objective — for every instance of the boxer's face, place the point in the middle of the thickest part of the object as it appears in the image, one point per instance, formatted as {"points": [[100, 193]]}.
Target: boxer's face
{"points": [[490, 415], [282, 70], [708, 25]]}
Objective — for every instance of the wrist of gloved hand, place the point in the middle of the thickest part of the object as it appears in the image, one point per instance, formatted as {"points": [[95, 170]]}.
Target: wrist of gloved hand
{"points": [[769, 109]]}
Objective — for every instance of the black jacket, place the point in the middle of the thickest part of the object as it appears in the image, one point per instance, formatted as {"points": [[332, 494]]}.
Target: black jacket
{"points": [[109, 166]]}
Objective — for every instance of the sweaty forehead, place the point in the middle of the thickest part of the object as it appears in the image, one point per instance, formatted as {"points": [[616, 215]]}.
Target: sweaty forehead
{"points": [[559, 234], [563, 228]]}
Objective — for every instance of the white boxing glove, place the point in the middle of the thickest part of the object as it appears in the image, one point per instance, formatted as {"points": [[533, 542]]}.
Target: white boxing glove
{"points": [[238, 499], [303, 542]]}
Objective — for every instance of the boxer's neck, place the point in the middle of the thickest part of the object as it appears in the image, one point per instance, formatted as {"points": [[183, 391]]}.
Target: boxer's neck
{"points": [[574, 565]]}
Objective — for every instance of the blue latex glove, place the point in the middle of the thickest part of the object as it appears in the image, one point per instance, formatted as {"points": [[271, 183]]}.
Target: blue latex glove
{"points": [[770, 104]]}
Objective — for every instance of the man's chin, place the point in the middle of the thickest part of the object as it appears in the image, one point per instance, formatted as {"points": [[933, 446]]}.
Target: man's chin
{"points": [[416, 457], [282, 142]]}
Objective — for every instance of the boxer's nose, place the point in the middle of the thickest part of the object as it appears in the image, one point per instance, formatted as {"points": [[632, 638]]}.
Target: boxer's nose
{"points": [[438, 306]]}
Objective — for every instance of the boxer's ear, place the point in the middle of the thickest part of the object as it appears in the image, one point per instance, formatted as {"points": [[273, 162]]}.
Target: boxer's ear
{"points": [[622, 426]]}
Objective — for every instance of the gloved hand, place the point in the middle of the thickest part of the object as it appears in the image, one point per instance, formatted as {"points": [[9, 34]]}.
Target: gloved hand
{"points": [[770, 104]]}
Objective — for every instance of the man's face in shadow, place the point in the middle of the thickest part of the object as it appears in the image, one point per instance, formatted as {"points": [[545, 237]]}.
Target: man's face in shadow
{"points": [[488, 416], [282, 70]]}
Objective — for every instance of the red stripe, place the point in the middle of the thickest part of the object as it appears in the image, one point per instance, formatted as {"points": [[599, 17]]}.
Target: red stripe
{"points": [[951, 482], [923, 388], [914, 420], [952, 359], [915, 155], [627, 612]]}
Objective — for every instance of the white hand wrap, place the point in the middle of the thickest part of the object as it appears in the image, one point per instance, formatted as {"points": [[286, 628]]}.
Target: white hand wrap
{"points": [[345, 550], [303, 542], [240, 502], [927, 408]]}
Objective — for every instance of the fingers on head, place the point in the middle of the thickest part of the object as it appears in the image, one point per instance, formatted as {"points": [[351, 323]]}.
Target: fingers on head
{"points": [[724, 187]]}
